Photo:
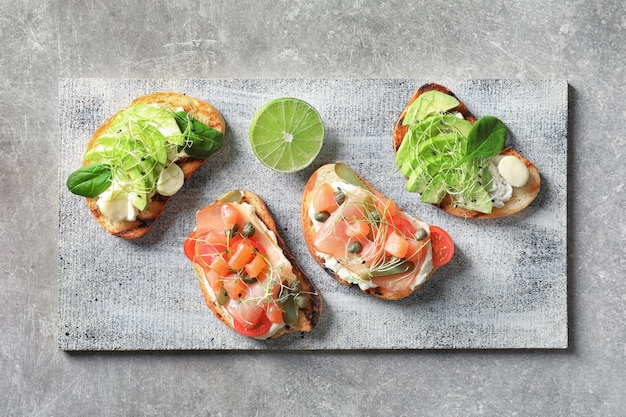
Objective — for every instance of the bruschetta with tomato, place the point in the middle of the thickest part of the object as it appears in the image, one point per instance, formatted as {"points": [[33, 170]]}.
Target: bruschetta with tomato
{"points": [[459, 162], [142, 155], [248, 277], [363, 238]]}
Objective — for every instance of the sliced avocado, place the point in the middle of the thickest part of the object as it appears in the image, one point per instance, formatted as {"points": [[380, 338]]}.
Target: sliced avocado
{"points": [[140, 201], [158, 117], [435, 191], [420, 177], [430, 102], [154, 142], [479, 200], [404, 150], [437, 148]]}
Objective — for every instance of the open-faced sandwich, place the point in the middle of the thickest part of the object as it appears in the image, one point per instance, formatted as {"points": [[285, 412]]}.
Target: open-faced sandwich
{"points": [[248, 277], [141, 156], [459, 162], [363, 238]]}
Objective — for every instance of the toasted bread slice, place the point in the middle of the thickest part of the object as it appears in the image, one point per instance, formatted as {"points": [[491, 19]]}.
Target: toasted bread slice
{"points": [[327, 174], [307, 316], [522, 196], [201, 111]]}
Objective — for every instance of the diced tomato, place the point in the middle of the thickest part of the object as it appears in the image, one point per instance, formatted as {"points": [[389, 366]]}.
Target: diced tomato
{"points": [[241, 256], [324, 198], [254, 267], [396, 245], [442, 244], [403, 225], [249, 317], [220, 266], [235, 287], [275, 313], [189, 247], [359, 228], [230, 215], [206, 252]]}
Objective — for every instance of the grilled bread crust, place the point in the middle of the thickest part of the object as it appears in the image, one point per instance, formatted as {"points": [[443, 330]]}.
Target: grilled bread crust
{"points": [[307, 317], [201, 111], [522, 196], [326, 174]]}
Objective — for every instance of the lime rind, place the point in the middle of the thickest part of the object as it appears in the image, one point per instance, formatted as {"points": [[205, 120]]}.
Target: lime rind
{"points": [[286, 134]]}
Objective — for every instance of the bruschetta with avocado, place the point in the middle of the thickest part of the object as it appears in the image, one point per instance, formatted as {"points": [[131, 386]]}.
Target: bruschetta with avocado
{"points": [[458, 162], [363, 238], [141, 156], [249, 278]]}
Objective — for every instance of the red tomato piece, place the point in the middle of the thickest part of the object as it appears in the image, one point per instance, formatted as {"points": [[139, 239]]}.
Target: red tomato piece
{"points": [[189, 247], [206, 252], [386, 207], [442, 244], [403, 225], [259, 328]]}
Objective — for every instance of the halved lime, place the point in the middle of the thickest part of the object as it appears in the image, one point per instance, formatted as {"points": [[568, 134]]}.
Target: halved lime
{"points": [[286, 134]]}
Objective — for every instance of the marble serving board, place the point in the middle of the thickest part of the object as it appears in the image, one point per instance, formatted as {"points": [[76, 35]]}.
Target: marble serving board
{"points": [[506, 286]]}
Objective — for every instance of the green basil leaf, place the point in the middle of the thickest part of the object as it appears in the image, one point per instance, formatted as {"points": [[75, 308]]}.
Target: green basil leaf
{"points": [[485, 139], [90, 180], [201, 140]]}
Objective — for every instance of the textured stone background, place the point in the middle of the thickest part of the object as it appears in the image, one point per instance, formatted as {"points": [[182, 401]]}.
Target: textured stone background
{"points": [[580, 41]]}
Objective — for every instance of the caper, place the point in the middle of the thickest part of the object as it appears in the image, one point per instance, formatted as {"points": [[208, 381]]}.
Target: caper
{"points": [[355, 247], [290, 311], [247, 279], [420, 234], [248, 230], [321, 216], [232, 232], [301, 301], [340, 196], [222, 296], [375, 215]]}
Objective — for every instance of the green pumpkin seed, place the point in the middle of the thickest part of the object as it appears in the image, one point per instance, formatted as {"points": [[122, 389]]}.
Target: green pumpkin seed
{"points": [[290, 311]]}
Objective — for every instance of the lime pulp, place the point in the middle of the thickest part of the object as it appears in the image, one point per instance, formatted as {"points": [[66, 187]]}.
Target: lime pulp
{"points": [[286, 134]]}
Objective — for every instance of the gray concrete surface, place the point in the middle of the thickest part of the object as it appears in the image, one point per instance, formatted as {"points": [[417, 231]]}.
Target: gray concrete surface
{"points": [[581, 41]]}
